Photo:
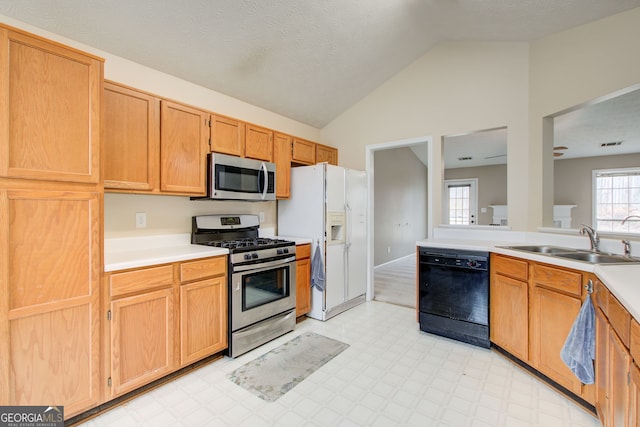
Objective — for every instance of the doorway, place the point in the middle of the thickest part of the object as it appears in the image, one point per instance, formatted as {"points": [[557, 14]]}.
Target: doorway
{"points": [[398, 179]]}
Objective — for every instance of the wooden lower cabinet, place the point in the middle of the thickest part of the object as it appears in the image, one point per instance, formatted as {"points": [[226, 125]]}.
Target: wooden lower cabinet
{"points": [[509, 317], [303, 279], [602, 366], [203, 309], [141, 340], [533, 307], [556, 299], [50, 250], [163, 318], [509, 314], [619, 375]]}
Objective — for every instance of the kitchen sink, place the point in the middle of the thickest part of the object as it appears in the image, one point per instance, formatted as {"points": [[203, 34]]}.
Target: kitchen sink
{"points": [[543, 249], [576, 254], [598, 258]]}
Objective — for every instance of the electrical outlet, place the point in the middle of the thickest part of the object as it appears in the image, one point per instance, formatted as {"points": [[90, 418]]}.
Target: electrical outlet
{"points": [[141, 219], [261, 216], [388, 249]]}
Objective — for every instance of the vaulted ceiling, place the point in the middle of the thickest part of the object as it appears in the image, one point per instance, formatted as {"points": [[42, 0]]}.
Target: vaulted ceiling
{"points": [[307, 60]]}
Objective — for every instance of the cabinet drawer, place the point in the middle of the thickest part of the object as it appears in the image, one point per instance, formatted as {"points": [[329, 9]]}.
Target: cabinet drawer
{"points": [[601, 296], [555, 278], [303, 251], [634, 345], [208, 267], [620, 320], [511, 267], [140, 280]]}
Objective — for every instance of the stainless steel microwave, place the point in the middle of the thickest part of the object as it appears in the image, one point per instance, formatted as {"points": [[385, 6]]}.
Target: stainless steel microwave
{"points": [[237, 178]]}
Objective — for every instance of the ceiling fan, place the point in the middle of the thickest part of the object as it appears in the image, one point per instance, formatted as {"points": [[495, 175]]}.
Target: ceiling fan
{"points": [[556, 150]]}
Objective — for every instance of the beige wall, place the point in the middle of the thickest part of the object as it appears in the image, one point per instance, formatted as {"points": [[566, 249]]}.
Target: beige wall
{"points": [[567, 69], [492, 187], [455, 88], [400, 203], [460, 87], [573, 178], [171, 214]]}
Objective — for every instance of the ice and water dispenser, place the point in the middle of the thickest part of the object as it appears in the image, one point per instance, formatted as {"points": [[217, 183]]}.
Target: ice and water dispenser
{"points": [[336, 228]]}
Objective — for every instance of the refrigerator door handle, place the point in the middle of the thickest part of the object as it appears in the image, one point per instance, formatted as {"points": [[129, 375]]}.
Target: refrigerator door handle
{"points": [[347, 242]]}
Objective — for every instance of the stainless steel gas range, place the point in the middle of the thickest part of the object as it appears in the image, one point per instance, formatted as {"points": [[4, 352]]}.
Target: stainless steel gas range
{"points": [[262, 279]]}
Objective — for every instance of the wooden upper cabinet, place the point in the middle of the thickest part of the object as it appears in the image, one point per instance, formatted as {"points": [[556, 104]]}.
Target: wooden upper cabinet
{"points": [[50, 107], [327, 154], [258, 143], [282, 158], [184, 136], [304, 152], [227, 135], [131, 138]]}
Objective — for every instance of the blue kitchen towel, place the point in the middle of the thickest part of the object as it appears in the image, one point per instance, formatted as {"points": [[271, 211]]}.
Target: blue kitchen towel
{"points": [[579, 349], [317, 270]]}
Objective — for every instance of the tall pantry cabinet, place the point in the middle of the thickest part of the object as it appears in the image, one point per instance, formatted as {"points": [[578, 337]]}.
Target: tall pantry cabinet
{"points": [[50, 214]]}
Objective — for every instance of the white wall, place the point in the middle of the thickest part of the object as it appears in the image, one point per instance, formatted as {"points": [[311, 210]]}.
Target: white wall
{"points": [[461, 87]]}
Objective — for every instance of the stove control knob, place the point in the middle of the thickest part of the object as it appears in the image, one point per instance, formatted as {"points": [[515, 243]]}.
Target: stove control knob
{"points": [[279, 251], [254, 255], [286, 250], [247, 256]]}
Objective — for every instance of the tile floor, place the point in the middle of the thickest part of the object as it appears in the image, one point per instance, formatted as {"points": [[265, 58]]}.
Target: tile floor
{"points": [[391, 375]]}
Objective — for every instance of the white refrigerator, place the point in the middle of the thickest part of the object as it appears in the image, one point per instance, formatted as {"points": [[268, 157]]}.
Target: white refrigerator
{"points": [[329, 205]]}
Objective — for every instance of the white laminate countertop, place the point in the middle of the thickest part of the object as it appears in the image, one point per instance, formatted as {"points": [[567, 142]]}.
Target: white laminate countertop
{"points": [[134, 252], [622, 280]]}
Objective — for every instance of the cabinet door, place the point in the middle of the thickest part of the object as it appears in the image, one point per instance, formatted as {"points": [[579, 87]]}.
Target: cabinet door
{"points": [[634, 397], [602, 366], [258, 143], [184, 136], [49, 282], [619, 365], [50, 107], [304, 152], [227, 136], [303, 286], [282, 158], [326, 154], [509, 315], [203, 319], [141, 340], [552, 315], [131, 138]]}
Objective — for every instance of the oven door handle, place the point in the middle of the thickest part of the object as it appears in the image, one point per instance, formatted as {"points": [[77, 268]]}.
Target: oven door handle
{"points": [[260, 266]]}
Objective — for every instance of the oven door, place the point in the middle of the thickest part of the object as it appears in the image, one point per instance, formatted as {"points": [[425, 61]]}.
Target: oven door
{"points": [[262, 290]]}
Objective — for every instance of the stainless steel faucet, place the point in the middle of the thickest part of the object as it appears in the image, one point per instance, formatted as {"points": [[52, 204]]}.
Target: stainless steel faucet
{"points": [[629, 217], [594, 239]]}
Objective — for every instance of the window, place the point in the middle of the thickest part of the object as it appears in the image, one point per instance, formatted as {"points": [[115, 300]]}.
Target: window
{"points": [[461, 201], [616, 196]]}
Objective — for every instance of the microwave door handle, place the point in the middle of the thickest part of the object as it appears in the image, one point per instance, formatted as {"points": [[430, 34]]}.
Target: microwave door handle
{"points": [[265, 180]]}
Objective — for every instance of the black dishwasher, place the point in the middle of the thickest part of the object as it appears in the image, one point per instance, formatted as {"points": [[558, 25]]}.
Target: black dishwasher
{"points": [[454, 294]]}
